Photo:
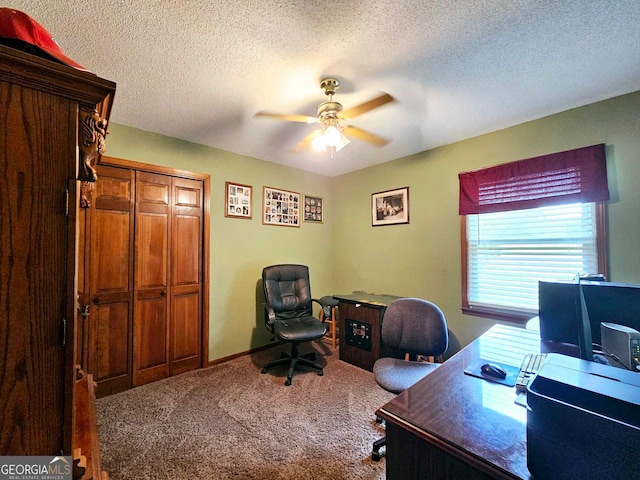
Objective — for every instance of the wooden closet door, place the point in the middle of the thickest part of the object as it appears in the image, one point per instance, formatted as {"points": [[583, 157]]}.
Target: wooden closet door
{"points": [[152, 240], [111, 286], [186, 275]]}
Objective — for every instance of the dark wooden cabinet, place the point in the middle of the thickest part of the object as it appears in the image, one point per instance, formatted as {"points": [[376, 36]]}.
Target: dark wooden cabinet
{"points": [[52, 127], [360, 323]]}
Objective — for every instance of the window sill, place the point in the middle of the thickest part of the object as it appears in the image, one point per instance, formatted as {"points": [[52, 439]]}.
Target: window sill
{"points": [[519, 318]]}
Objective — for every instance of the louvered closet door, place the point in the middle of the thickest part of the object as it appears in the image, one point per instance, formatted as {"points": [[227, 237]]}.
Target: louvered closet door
{"points": [[186, 275], [151, 307]]}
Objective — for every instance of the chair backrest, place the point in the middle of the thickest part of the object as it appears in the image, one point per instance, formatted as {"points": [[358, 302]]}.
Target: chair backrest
{"points": [[415, 326], [287, 290]]}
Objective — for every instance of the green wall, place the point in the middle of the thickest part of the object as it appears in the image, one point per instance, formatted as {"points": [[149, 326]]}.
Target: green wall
{"points": [[346, 253], [423, 258], [240, 248]]}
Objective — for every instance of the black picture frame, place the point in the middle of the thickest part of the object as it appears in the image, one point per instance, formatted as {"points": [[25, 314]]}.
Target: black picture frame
{"points": [[390, 207]]}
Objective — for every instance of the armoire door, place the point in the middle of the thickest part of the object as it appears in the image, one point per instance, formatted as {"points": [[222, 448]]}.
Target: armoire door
{"points": [[35, 164], [111, 289], [151, 278], [186, 275]]}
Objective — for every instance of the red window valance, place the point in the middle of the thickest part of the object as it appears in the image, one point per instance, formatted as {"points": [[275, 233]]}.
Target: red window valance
{"points": [[566, 177]]}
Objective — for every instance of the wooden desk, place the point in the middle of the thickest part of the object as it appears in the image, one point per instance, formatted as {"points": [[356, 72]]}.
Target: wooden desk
{"points": [[360, 319], [452, 425]]}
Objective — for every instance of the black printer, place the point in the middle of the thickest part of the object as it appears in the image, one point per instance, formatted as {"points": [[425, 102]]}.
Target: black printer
{"points": [[583, 421]]}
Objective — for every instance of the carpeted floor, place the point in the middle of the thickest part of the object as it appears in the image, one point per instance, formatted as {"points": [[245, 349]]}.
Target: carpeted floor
{"points": [[231, 422]]}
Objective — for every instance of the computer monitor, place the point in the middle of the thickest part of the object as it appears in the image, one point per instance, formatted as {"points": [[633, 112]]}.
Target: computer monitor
{"points": [[583, 323], [610, 302]]}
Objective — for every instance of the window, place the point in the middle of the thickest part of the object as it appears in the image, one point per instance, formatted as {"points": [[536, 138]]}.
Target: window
{"points": [[507, 253], [541, 218]]}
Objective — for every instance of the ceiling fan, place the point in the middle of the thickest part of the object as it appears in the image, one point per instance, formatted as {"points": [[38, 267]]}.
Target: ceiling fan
{"points": [[333, 118]]}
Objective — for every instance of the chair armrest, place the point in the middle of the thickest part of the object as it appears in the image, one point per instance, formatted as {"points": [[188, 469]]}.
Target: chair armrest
{"points": [[270, 316], [327, 303]]}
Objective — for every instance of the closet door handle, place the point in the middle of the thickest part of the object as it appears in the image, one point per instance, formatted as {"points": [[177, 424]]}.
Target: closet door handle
{"points": [[163, 293], [96, 300]]}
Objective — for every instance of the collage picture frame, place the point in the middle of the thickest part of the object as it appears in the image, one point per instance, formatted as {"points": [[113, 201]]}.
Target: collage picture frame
{"points": [[238, 200], [313, 209], [280, 207]]}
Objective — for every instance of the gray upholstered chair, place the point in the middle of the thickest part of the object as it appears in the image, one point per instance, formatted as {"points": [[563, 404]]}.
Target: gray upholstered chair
{"points": [[415, 327], [289, 316]]}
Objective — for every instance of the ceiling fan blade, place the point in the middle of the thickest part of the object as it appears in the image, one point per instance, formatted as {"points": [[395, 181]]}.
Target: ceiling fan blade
{"points": [[367, 106], [289, 118], [360, 134], [306, 141]]}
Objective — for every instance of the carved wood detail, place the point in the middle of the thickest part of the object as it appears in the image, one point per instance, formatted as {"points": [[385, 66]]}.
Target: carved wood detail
{"points": [[93, 129], [86, 192]]}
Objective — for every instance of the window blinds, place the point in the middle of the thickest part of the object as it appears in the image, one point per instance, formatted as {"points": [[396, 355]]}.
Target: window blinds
{"points": [[509, 252]]}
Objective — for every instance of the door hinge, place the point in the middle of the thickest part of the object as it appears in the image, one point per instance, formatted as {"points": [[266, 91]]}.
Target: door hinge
{"points": [[83, 311], [66, 207]]}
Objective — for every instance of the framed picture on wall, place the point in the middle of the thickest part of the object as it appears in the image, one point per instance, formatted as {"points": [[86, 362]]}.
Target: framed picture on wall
{"points": [[390, 207], [313, 209], [280, 207], [238, 200]]}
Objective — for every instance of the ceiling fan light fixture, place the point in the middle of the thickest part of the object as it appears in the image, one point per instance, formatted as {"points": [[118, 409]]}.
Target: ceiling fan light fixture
{"points": [[330, 136], [331, 117], [319, 143], [342, 142]]}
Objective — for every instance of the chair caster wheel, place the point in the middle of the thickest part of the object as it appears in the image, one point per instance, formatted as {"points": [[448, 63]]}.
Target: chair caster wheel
{"points": [[320, 373], [287, 382], [264, 370]]}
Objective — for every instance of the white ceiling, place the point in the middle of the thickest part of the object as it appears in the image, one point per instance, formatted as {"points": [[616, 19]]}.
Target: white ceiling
{"points": [[200, 70]]}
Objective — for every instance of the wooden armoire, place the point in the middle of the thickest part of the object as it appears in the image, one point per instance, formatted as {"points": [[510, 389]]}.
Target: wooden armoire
{"points": [[52, 128]]}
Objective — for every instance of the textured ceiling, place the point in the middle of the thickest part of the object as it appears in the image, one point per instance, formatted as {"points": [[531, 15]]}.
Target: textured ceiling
{"points": [[200, 69]]}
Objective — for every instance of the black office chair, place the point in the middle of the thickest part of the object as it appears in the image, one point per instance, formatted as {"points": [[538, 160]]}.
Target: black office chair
{"points": [[289, 316], [415, 327]]}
